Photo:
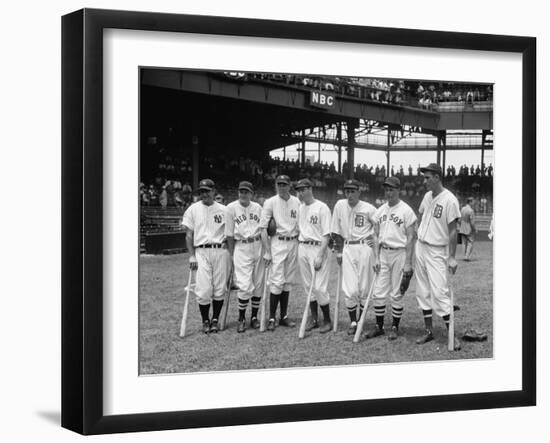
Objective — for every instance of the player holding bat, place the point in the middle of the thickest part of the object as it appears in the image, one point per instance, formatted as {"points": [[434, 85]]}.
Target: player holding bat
{"points": [[396, 224]]}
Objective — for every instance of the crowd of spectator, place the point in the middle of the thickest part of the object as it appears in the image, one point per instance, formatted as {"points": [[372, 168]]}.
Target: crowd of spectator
{"points": [[400, 92]]}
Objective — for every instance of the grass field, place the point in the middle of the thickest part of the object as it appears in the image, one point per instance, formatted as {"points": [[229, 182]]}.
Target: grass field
{"points": [[162, 281]]}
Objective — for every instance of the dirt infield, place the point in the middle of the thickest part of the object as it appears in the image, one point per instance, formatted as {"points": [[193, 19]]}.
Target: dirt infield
{"points": [[162, 281]]}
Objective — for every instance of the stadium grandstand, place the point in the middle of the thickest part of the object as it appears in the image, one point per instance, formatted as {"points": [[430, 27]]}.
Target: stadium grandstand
{"points": [[232, 126]]}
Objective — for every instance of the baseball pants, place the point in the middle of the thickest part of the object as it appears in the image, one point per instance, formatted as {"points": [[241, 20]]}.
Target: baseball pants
{"points": [[432, 290], [248, 265], [212, 274], [284, 262], [357, 273], [388, 282], [306, 258]]}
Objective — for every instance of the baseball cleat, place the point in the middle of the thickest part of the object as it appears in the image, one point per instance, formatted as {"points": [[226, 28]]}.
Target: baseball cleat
{"points": [[312, 324], [457, 345], [206, 326], [271, 324], [393, 333], [352, 328], [214, 326], [242, 326], [254, 323], [375, 332], [286, 322], [428, 336], [327, 327]]}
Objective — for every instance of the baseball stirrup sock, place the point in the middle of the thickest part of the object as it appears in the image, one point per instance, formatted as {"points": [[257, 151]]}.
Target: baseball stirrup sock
{"points": [[427, 313], [273, 302], [446, 319], [326, 312], [313, 308], [217, 309], [379, 311], [396, 313], [255, 306], [284, 303], [353, 313], [205, 312], [242, 308]]}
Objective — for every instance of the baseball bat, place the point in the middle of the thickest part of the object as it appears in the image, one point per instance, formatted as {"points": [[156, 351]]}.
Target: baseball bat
{"points": [[451, 335], [263, 306], [338, 283], [302, 331], [364, 313], [183, 324], [226, 303]]}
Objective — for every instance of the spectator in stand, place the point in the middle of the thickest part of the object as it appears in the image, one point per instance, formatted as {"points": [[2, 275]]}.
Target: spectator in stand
{"points": [[472, 170], [490, 170], [478, 171], [401, 173], [410, 170], [163, 198]]}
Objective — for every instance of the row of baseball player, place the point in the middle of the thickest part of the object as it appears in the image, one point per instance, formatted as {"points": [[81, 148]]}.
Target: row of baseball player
{"points": [[377, 250]]}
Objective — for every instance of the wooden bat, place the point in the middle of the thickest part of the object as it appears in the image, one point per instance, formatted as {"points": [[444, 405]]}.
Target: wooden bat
{"points": [[361, 322], [185, 306], [226, 302], [451, 334], [338, 283], [302, 331], [263, 306]]}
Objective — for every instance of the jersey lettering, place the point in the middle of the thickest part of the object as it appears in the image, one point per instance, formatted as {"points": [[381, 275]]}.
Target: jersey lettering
{"points": [[293, 213], [218, 218], [438, 211], [359, 221], [314, 219]]}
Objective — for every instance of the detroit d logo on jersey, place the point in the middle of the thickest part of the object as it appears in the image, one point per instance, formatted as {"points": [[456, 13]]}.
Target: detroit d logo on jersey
{"points": [[438, 211]]}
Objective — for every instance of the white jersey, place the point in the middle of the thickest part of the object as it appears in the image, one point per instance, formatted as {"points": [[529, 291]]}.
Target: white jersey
{"points": [[243, 222], [394, 222], [313, 221], [353, 223], [437, 213], [206, 222], [285, 213]]}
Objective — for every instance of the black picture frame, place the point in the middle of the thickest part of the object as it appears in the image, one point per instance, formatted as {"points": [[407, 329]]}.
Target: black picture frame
{"points": [[82, 218]]}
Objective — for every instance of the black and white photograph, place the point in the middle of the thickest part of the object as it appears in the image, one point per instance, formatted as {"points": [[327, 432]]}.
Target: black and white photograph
{"points": [[297, 220]]}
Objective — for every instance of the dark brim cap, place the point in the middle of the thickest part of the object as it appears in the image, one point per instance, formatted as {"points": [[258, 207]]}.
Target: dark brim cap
{"points": [[247, 186], [206, 184], [432, 167], [392, 182], [283, 179], [303, 183], [352, 184]]}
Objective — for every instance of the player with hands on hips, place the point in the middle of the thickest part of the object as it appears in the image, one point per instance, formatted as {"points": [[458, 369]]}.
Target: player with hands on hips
{"points": [[242, 229], [314, 227], [435, 250], [204, 222], [396, 223], [281, 250], [352, 226]]}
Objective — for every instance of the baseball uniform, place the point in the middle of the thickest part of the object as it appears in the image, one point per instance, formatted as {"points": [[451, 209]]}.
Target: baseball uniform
{"points": [[314, 224], [466, 230], [208, 226], [355, 226], [243, 224], [431, 253], [393, 221]]}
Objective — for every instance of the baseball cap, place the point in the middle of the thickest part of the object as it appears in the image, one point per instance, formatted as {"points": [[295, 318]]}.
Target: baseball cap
{"points": [[303, 183], [352, 184], [206, 184], [432, 167], [283, 179], [246, 186], [392, 182]]}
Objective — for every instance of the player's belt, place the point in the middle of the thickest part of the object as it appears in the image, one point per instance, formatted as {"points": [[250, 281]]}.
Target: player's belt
{"points": [[212, 245], [310, 242], [287, 238], [391, 249], [250, 239], [356, 242]]}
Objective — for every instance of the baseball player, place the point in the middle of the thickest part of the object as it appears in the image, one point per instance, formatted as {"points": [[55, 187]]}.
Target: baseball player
{"points": [[281, 251], [242, 229], [353, 226], [314, 227], [467, 228], [208, 255], [396, 223], [435, 250]]}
